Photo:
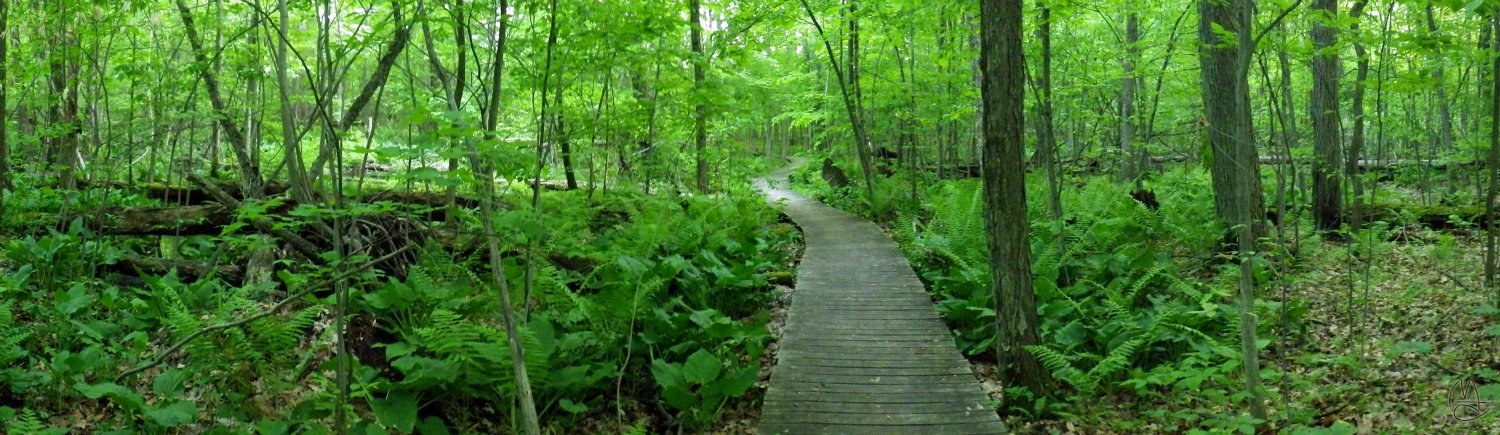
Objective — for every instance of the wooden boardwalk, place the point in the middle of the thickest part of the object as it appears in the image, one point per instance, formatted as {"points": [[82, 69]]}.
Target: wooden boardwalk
{"points": [[862, 351]]}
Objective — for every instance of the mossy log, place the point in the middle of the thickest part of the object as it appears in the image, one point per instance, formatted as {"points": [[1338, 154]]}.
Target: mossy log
{"points": [[183, 195], [187, 271]]}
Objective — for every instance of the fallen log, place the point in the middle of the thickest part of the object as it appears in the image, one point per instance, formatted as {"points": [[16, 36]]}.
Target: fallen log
{"points": [[188, 271], [184, 195]]}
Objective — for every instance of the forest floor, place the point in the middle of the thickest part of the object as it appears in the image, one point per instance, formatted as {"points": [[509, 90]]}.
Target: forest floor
{"points": [[1416, 354]]}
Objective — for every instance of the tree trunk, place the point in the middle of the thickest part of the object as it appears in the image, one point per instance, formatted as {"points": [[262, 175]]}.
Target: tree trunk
{"points": [[1324, 105], [1046, 148], [1003, 97], [1357, 112], [1236, 179], [1129, 170], [1494, 162], [564, 143], [700, 109], [1445, 117], [497, 265], [249, 172], [856, 119], [4, 87]]}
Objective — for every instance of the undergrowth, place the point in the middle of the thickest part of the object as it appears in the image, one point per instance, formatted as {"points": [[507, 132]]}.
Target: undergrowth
{"points": [[637, 300]]}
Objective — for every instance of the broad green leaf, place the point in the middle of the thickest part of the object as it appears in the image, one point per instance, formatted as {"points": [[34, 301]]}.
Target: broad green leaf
{"points": [[701, 368], [125, 398], [397, 411], [169, 383], [173, 415]]}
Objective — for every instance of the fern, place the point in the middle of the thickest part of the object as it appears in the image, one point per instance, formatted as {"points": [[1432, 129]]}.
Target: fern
{"points": [[27, 422]]}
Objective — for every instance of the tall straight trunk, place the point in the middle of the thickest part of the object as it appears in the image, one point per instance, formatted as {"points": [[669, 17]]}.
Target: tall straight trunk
{"points": [[1046, 142], [1494, 161], [1289, 133], [4, 87], [1129, 170], [63, 154], [856, 118], [700, 108], [249, 172], [1236, 179], [1003, 96], [564, 143], [1357, 112], [486, 184], [1327, 198], [301, 185], [1235, 166], [1445, 116]]}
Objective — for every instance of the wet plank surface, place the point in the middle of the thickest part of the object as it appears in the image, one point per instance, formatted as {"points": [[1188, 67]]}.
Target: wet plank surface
{"points": [[862, 351]]}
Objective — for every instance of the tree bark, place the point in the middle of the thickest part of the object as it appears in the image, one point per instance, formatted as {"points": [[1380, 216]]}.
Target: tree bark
{"points": [[1003, 97], [1327, 129], [4, 88], [1129, 170], [249, 172], [700, 108], [1357, 112], [1494, 161], [856, 119], [1046, 142], [1236, 179]]}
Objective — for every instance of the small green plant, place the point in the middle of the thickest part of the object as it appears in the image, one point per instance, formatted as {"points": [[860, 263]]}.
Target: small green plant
{"points": [[699, 386]]}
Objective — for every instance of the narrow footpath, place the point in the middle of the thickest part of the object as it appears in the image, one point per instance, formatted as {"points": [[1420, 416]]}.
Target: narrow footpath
{"points": [[862, 351]]}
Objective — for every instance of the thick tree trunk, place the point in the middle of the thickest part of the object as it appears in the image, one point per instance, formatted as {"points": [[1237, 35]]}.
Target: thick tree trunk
{"points": [[1324, 108], [1236, 179], [1005, 194]]}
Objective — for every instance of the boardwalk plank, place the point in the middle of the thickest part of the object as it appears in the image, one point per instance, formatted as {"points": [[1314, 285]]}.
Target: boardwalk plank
{"points": [[862, 350]]}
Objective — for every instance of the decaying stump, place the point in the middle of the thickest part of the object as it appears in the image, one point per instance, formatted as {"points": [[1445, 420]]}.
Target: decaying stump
{"points": [[833, 175]]}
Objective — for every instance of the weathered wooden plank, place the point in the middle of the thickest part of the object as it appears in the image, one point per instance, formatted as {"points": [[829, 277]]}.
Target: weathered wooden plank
{"points": [[812, 369], [885, 408], [863, 351], [887, 358], [782, 397], [917, 379], [945, 429]]}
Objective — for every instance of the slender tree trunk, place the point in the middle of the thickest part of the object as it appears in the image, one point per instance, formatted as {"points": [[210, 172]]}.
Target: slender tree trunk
{"points": [[301, 185], [1005, 193], [5, 183], [563, 141], [1324, 107], [1046, 135], [486, 184], [700, 107], [1129, 170], [1445, 117], [1494, 162], [1357, 112], [856, 119], [249, 173]]}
